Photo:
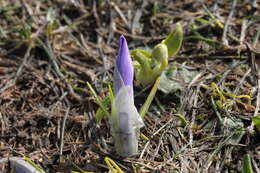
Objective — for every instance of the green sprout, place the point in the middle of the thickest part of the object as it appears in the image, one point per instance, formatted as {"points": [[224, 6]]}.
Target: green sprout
{"points": [[149, 66]]}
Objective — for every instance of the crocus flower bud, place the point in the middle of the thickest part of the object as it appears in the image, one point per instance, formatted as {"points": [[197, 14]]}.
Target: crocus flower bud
{"points": [[125, 120], [124, 70], [22, 166]]}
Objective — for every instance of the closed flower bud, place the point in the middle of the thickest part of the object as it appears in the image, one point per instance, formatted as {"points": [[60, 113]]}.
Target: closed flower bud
{"points": [[125, 120]]}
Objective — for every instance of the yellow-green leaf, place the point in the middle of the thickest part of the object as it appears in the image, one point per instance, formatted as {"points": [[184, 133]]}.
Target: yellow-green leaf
{"points": [[174, 40]]}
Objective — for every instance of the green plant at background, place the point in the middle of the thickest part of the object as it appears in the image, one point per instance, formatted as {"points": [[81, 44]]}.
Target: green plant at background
{"points": [[150, 65], [256, 121], [247, 166], [52, 22]]}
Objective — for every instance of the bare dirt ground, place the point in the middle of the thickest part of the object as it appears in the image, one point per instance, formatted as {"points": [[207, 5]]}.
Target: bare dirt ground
{"points": [[50, 49]]}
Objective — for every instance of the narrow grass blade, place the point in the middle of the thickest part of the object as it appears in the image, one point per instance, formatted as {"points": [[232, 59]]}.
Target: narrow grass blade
{"points": [[149, 99], [98, 100], [111, 94], [100, 114]]}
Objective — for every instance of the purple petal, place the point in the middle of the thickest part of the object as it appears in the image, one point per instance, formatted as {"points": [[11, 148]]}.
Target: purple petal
{"points": [[124, 63], [118, 81]]}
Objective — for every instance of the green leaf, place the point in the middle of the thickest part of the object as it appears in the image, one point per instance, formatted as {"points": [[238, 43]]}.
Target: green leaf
{"points": [[174, 40], [175, 78], [256, 121], [247, 167]]}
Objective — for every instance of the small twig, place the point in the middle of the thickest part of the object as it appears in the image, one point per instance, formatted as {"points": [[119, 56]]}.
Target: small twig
{"points": [[241, 81], [218, 148], [257, 98], [137, 37], [12, 82], [63, 130], [52, 57], [3, 124], [144, 149], [112, 26], [158, 146], [224, 36], [214, 106], [140, 162], [255, 165], [96, 14], [19, 71], [195, 80], [243, 31], [184, 101], [155, 133], [122, 16], [192, 122], [233, 66], [136, 20]]}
